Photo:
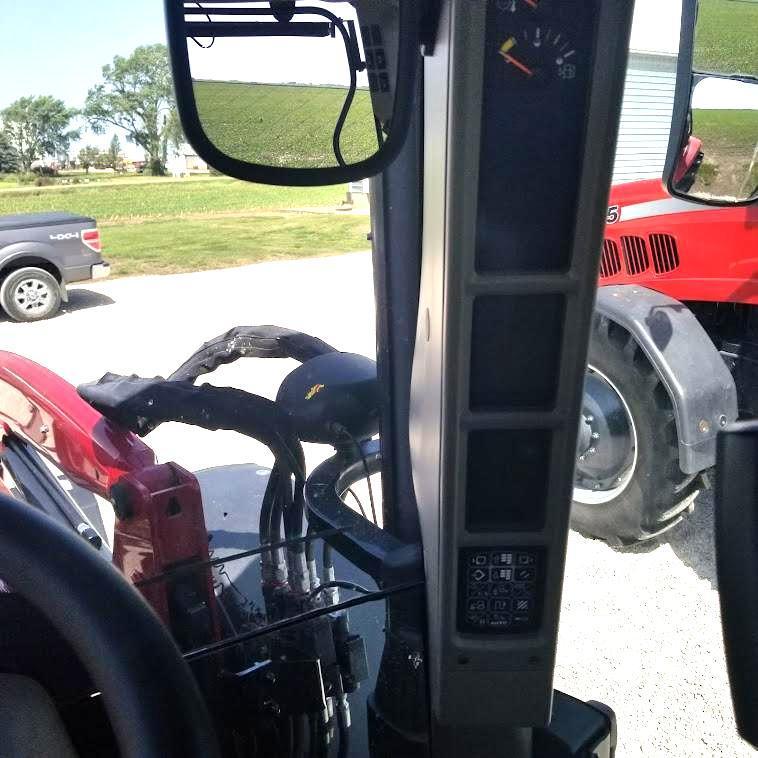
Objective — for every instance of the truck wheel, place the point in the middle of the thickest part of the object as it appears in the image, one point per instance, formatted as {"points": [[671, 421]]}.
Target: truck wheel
{"points": [[30, 294], [628, 485]]}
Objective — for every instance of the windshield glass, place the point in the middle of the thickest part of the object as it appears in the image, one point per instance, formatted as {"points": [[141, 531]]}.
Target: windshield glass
{"points": [[90, 133], [230, 475]]}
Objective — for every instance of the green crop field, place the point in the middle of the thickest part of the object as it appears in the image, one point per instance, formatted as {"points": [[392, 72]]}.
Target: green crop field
{"points": [[729, 144], [726, 129], [284, 125], [726, 39], [150, 198], [165, 226]]}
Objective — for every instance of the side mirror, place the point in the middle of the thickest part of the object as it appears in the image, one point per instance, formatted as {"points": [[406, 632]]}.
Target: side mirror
{"points": [[713, 148], [284, 93], [719, 163]]}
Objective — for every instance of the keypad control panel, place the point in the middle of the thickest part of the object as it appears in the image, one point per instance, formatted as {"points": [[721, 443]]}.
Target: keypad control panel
{"points": [[499, 589]]}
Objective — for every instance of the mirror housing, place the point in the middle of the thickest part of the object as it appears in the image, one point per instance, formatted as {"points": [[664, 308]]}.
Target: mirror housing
{"points": [[389, 120], [680, 117], [712, 155]]}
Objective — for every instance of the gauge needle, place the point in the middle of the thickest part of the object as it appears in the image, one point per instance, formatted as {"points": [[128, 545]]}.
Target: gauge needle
{"points": [[517, 63]]}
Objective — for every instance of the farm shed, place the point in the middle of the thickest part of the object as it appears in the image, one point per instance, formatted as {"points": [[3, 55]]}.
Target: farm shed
{"points": [[645, 116], [649, 91]]}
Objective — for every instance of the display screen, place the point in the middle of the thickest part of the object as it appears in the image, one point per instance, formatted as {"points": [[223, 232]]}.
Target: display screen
{"points": [[514, 337], [506, 485], [536, 72]]}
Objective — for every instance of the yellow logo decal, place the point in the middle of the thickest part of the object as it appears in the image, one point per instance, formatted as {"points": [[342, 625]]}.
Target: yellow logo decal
{"points": [[314, 390]]}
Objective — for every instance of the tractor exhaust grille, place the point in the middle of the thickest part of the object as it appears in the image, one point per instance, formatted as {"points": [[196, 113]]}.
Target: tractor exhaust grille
{"points": [[610, 261], [635, 254], [665, 253]]}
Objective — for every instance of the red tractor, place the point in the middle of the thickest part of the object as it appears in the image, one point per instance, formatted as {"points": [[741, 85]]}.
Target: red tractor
{"points": [[673, 355]]}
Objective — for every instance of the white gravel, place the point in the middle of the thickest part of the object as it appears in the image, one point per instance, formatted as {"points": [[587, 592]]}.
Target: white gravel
{"points": [[640, 628], [640, 631]]}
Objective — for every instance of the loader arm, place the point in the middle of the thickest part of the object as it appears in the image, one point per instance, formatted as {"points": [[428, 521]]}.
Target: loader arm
{"points": [[44, 410], [159, 510]]}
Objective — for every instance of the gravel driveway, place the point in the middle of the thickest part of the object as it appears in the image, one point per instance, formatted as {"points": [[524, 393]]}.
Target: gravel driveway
{"points": [[640, 628]]}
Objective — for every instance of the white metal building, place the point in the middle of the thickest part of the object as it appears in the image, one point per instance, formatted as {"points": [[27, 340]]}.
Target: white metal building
{"points": [[185, 161], [649, 92], [645, 116]]}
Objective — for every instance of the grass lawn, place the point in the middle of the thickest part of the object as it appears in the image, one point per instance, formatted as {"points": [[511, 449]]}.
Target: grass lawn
{"points": [[156, 226], [284, 125], [726, 38], [172, 245]]}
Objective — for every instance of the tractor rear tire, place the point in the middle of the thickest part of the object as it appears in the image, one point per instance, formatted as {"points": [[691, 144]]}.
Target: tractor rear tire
{"points": [[652, 493]]}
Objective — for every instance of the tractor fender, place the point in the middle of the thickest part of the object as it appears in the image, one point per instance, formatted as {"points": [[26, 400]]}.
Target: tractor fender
{"points": [[701, 388]]}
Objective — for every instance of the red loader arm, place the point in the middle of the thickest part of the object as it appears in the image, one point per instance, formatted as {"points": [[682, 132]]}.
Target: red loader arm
{"points": [[687, 158], [159, 511], [46, 411]]}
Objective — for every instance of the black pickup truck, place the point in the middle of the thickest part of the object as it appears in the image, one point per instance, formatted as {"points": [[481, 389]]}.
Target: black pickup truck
{"points": [[39, 254]]}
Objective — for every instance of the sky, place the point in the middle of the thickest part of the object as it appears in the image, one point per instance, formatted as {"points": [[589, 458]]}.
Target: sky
{"points": [[724, 94], [655, 26], [279, 59], [59, 48]]}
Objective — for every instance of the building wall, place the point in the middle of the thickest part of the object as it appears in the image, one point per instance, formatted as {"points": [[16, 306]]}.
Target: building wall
{"points": [[645, 116]]}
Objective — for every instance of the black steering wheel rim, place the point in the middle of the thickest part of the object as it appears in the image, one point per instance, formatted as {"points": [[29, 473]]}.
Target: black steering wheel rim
{"points": [[149, 692]]}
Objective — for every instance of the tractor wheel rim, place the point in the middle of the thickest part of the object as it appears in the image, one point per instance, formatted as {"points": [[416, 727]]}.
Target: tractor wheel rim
{"points": [[623, 476], [32, 295]]}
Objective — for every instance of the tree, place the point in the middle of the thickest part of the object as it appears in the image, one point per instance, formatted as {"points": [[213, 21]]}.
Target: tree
{"points": [[8, 155], [173, 136], [136, 94], [88, 156], [102, 160], [38, 126], [113, 156]]}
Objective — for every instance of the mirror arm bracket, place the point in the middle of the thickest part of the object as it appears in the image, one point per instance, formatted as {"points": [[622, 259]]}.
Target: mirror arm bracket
{"points": [[428, 24], [258, 29], [283, 10]]}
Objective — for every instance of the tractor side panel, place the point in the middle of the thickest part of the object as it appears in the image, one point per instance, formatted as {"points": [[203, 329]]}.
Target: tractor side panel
{"points": [[686, 250]]}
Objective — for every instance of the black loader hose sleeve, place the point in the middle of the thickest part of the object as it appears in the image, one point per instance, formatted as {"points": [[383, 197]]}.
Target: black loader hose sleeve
{"points": [[142, 404], [250, 342]]}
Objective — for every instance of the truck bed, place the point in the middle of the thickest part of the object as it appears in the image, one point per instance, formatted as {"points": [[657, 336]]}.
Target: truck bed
{"points": [[49, 218]]}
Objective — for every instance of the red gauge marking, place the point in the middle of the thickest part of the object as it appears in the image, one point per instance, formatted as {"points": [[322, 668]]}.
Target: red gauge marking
{"points": [[517, 63]]}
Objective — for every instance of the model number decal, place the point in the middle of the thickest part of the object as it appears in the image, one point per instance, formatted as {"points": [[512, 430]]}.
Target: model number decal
{"points": [[65, 236], [613, 214]]}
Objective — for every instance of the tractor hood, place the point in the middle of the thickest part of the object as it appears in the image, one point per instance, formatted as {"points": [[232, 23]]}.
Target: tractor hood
{"points": [[642, 191]]}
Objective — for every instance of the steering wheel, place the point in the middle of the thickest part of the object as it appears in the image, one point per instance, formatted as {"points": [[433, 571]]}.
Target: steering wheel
{"points": [[150, 694]]}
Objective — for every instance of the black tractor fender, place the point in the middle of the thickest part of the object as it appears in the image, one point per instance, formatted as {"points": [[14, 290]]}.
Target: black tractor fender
{"points": [[701, 388]]}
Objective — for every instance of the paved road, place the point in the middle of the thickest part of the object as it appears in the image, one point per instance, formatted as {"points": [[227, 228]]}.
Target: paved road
{"points": [[640, 628]]}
